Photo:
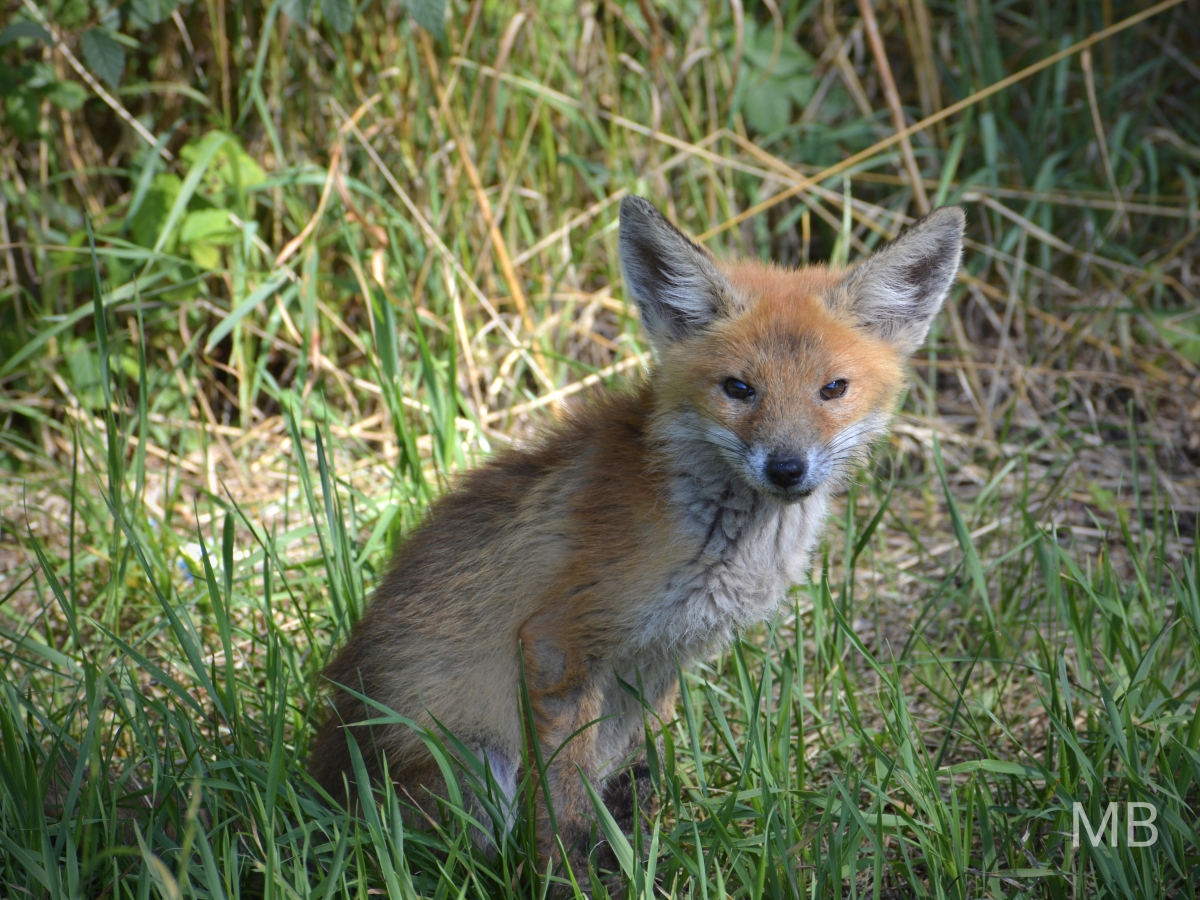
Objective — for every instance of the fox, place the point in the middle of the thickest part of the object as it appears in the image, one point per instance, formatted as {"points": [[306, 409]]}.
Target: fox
{"points": [[642, 531]]}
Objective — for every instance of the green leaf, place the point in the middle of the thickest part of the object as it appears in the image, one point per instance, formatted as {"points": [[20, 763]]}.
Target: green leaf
{"points": [[205, 255], [206, 148], [104, 55], [608, 825], [21, 114], [146, 224], [430, 15], [211, 225], [249, 172], [298, 10], [339, 14], [205, 231], [801, 88], [231, 166], [780, 75], [27, 861], [970, 553], [72, 15], [766, 107], [792, 59], [31, 642], [995, 766], [38, 77], [154, 11], [10, 80], [67, 95], [85, 373], [19, 30]]}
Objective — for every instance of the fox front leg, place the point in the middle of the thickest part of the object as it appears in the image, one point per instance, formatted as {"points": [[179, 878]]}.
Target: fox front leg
{"points": [[564, 699]]}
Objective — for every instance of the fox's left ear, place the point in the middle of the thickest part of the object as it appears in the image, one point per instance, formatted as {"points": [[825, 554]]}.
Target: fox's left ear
{"points": [[896, 292]]}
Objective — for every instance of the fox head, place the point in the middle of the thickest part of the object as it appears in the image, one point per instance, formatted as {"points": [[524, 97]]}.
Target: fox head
{"points": [[784, 376]]}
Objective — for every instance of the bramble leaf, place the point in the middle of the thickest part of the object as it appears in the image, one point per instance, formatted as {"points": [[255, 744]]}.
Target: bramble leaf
{"points": [[339, 14], [767, 108], [19, 30], [67, 95], [104, 55], [154, 11], [297, 10], [430, 15]]}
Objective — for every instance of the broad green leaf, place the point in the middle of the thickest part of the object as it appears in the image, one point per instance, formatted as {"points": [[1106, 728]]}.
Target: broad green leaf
{"points": [[230, 166], [249, 172], [298, 10], [792, 59], [205, 254], [85, 373], [430, 15], [10, 79], [211, 225], [147, 222], [104, 55], [67, 95], [154, 11], [339, 14], [19, 30], [767, 107], [801, 88], [72, 15], [207, 147], [21, 114], [38, 77]]}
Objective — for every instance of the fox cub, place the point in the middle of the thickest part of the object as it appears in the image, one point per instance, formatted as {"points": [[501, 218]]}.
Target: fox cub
{"points": [[642, 531]]}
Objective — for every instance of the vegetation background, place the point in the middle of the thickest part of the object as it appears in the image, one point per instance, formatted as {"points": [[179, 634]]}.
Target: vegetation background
{"points": [[273, 273]]}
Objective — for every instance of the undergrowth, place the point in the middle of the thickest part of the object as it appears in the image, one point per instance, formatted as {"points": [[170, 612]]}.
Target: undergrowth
{"points": [[276, 273]]}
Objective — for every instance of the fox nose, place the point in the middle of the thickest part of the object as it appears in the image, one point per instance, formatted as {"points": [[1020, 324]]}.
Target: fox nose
{"points": [[785, 471]]}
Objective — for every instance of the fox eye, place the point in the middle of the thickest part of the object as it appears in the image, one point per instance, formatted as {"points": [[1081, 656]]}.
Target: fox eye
{"points": [[834, 389], [738, 390]]}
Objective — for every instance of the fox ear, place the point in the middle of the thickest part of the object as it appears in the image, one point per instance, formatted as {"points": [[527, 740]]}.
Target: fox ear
{"points": [[676, 285], [896, 292]]}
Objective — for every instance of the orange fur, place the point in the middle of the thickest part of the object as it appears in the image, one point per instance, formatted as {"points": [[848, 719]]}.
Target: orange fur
{"points": [[639, 533]]}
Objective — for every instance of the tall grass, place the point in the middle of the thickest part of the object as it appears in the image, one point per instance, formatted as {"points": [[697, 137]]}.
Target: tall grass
{"points": [[343, 256]]}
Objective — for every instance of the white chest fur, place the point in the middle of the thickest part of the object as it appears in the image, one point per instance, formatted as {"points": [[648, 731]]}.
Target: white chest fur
{"points": [[746, 551]]}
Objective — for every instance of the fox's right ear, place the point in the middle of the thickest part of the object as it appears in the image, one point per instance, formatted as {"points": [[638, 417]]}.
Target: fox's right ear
{"points": [[675, 283]]}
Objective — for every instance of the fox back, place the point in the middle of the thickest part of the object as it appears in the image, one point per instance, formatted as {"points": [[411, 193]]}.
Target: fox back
{"points": [[641, 531]]}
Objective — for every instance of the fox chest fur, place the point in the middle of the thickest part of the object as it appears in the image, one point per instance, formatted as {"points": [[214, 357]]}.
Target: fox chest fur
{"points": [[742, 553], [552, 598]]}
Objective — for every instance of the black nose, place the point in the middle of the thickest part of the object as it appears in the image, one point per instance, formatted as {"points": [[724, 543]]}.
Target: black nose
{"points": [[785, 471]]}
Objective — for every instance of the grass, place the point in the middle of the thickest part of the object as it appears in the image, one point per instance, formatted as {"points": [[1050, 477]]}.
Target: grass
{"points": [[236, 364]]}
